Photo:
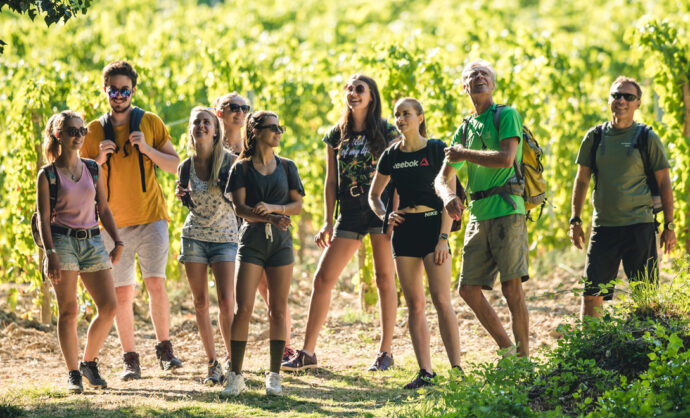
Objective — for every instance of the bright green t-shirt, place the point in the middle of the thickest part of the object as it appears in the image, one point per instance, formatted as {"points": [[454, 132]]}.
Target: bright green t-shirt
{"points": [[622, 196], [481, 128]]}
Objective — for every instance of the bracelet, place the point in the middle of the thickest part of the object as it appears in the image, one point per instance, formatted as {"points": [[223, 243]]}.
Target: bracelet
{"points": [[282, 207], [50, 251], [119, 243], [443, 236]]}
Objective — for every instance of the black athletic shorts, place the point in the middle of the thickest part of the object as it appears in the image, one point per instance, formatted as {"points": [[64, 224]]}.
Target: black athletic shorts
{"points": [[418, 235], [634, 244]]}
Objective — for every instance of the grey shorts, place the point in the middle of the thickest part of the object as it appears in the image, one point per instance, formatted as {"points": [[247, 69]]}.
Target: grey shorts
{"points": [[82, 255], [257, 246], [493, 246], [195, 251], [147, 241]]}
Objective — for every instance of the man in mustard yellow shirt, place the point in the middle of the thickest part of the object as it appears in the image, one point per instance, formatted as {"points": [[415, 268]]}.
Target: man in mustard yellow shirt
{"points": [[128, 157]]}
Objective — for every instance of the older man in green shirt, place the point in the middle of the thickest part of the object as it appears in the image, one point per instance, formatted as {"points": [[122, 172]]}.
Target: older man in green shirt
{"points": [[496, 236], [623, 224]]}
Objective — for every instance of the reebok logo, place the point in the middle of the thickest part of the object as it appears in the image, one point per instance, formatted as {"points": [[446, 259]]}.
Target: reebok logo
{"points": [[407, 164], [424, 162]]}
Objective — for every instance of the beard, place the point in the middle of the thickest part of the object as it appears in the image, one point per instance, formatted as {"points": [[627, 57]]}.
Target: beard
{"points": [[120, 108]]}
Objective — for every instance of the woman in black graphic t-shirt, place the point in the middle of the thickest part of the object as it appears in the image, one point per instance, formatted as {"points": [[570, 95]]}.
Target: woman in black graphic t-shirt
{"points": [[352, 148], [420, 236]]}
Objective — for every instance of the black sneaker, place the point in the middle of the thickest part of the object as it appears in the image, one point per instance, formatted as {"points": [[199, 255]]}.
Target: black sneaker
{"points": [[74, 382], [457, 374], [215, 374], [423, 379], [301, 361], [131, 369], [383, 361], [89, 369], [165, 356]]}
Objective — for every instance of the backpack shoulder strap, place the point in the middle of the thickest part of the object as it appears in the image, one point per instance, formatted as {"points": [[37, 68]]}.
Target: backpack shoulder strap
{"points": [[92, 166], [286, 165], [108, 131], [50, 171], [598, 136], [464, 128], [497, 116], [224, 172], [135, 118], [643, 146], [185, 170]]}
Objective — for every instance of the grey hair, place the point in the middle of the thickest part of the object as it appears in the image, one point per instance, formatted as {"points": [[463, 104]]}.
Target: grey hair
{"points": [[475, 64]]}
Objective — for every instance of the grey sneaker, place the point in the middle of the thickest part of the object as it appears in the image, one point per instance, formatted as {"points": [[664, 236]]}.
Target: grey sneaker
{"points": [[215, 374], [301, 361], [165, 356], [273, 386], [74, 382], [234, 385], [131, 369], [89, 369], [383, 361]]}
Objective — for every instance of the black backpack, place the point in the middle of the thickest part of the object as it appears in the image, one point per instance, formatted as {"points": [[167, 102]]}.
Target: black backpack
{"points": [[109, 134], [641, 142], [223, 176]]}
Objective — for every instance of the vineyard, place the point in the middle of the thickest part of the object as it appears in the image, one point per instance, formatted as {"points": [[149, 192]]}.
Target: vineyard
{"points": [[554, 60]]}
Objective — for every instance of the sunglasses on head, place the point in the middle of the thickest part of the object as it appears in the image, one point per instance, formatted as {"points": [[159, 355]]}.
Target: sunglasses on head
{"points": [[274, 128], [113, 92], [358, 88], [76, 132], [629, 97], [234, 108]]}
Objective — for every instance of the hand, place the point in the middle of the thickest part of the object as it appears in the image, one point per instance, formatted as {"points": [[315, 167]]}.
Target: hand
{"points": [[396, 218], [668, 240], [281, 221], [137, 139], [54, 273], [455, 154], [105, 149], [324, 237], [115, 253], [454, 207], [577, 236], [181, 191], [441, 251], [262, 209]]}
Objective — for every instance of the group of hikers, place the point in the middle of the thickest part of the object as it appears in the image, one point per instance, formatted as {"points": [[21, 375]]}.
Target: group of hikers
{"points": [[390, 182]]}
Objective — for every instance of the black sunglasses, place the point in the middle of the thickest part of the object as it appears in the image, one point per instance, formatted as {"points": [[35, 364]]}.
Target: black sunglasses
{"points": [[234, 108], [274, 128], [76, 132], [113, 92], [359, 88], [629, 97]]}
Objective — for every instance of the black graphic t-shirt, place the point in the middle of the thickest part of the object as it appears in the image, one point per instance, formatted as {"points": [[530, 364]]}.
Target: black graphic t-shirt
{"points": [[413, 173], [355, 162]]}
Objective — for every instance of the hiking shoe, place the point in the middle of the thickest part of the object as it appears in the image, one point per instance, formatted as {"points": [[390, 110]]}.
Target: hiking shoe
{"points": [[234, 385], [89, 369], [301, 361], [383, 361], [457, 374], [132, 369], [74, 382], [165, 356], [215, 374], [288, 353], [273, 386], [423, 379]]}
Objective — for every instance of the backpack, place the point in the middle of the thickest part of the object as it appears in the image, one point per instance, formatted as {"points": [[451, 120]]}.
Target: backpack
{"points": [[50, 171], [222, 180], [641, 142], [109, 134], [528, 181]]}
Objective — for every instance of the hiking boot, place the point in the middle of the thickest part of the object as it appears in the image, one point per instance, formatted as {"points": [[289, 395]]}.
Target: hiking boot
{"points": [[423, 379], [132, 369], [215, 374], [273, 386], [74, 382], [301, 361], [383, 361], [89, 369], [165, 356], [234, 385], [288, 353]]}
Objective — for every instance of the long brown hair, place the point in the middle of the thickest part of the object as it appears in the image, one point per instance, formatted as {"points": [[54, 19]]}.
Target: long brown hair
{"points": [[253, 120], [57, 122], [374, 126]]}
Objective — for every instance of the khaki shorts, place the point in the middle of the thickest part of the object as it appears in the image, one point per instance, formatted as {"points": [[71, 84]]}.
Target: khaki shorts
{"points": [[494, 246]]}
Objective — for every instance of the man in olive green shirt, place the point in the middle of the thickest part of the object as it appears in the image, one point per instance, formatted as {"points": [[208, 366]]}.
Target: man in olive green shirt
{"points": [[623, 224]]}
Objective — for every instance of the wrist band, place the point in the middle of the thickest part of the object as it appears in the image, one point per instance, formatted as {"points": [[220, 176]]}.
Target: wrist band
{"points": [[120, 243]]}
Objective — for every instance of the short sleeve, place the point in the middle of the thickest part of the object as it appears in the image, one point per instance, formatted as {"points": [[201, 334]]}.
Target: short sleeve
{"points": [[93, 138], [510, 124], [236, 179], [584, 155], [332, 138], [294, 182], [160, 132], [657, 155], [457, 139], [392, 133], [384, 164]]}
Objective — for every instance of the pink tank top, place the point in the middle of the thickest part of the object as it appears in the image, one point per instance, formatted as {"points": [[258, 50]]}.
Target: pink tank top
{"points": [[74, 206]]}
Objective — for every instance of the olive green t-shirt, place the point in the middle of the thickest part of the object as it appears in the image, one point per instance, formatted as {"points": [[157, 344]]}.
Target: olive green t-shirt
{"points": [[621, 196], [482, 178]]}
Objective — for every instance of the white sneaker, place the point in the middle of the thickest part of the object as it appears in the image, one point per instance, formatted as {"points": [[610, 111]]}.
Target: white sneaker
{"points": [[234, 385], [273, 386]]}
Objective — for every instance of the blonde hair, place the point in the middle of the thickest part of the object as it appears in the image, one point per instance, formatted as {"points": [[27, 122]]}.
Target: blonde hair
{"points": [[218, 145], [221, 102], [57, 122]]}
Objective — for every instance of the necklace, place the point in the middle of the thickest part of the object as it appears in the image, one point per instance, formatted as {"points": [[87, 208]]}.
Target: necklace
{"points": [[70, 170]]}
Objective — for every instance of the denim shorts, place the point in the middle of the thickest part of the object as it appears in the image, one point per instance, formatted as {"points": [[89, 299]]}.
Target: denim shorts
{"points": [[357, 223], [82, 255], [195, 251]]}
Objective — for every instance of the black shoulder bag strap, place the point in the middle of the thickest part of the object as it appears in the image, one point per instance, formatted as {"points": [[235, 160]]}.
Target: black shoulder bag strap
{"points": [[134, 122], [185, 170], [598, 137], [108, 135], [92, 166], [53, 184]]}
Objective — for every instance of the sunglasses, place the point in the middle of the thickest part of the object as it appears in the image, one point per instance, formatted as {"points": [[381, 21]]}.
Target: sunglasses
{"points": [[76, 132], [629, 97], [234, 108], [274, 128], [113, 92], [359, 88]]}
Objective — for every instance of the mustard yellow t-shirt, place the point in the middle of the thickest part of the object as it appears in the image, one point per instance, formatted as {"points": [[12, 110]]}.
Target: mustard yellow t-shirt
{"points": [[128, 202]]}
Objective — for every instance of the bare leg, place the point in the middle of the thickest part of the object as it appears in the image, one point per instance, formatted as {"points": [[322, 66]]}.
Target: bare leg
{"points": [[411, 276], [159, 306], [439, 287], [515, 297], [263, 291], [247, 278], [99, 284], [385, 282], [473, 295], [197, 275], [224, 273], [68, 311], [592, 306], [124, 317], [278, 279]]}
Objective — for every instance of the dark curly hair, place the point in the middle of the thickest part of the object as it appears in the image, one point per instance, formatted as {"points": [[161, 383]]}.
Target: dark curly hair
{"points": [[375, 126], [119, 68]]}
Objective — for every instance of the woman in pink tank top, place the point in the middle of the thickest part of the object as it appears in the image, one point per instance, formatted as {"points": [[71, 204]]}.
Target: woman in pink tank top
{"points": [[66, 190]]}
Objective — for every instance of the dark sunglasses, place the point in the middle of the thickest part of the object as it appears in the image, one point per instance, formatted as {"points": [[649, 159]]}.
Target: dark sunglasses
{"points": [[234, 108], [76, 132], [629, 97], [359, 88], [113, 92], [274, 128]]}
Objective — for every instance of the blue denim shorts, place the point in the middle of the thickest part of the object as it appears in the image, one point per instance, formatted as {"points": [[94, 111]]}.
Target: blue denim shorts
{"points": [[195, 251], [83, 255]]}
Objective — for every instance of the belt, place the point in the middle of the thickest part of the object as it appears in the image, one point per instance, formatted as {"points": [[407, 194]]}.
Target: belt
{"points": [[350, 203], [76, 233]]}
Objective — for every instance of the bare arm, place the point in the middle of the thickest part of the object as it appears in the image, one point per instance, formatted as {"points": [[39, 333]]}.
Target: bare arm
{"points": [[247, 212], [106, 217], [330, 185], [445, 188], [166, 158], [580, 186], [663, 179], [502, 158], [375, 190]]}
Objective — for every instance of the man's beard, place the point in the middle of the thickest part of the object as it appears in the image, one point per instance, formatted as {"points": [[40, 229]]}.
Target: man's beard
{"points": [[121, 111]]}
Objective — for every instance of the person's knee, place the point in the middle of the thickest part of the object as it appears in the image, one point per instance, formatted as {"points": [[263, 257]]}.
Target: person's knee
{"points": [[512, 290], [416, 307], [107, 308], [470, 294], [322, 282], [385, 280], [244, 310], [201, 303], [277, 315], [124, 295], [155, 286], [225, 303], [441, 302], [68, 312]]}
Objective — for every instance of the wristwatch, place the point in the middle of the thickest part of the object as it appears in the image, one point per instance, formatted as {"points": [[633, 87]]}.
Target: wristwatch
{"points": [[50, 251], [575, 220], [443, 236], [670, 226]]}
